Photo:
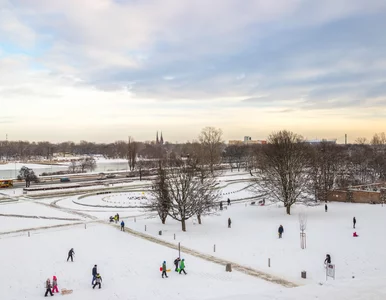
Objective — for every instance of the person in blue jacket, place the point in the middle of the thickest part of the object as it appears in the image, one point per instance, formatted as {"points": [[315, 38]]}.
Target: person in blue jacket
{"points": [[122, 226], [280, 231]]}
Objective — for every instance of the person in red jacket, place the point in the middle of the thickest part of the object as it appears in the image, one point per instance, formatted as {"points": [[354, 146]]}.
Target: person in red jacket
{"points": [[55, 285]]}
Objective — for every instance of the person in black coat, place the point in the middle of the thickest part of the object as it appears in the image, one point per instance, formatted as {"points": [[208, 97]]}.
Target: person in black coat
{"points": [[229, 201], [325, 207], [229, 222], [354, 221], [280, 231], [94, 274], [176, 262], [71, 253]]}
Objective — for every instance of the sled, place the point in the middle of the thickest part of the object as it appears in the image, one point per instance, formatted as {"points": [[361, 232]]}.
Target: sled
{"points": [[168, 270], [65, 292]]}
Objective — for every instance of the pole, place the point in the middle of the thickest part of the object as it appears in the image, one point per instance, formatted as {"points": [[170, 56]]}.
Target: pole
{"points": [[145, 227], [174, 236], [269, 262], [214, 248], [179, 250]]}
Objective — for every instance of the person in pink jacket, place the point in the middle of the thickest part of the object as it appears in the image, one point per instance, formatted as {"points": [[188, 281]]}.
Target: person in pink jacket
{"points": [[55, 285]]}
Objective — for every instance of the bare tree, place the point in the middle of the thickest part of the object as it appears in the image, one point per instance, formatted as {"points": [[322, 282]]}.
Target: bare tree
{"points": [[87, 163], [132, 150], [211, 140], [283, 170], [73, 167], [303, 227], [160, 201], [186, 196], [361, 141]]}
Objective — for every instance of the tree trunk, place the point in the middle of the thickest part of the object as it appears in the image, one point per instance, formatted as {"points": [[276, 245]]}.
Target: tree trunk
{"points": [[288, 208], [163, 220], [183, 225], [199, 219]]}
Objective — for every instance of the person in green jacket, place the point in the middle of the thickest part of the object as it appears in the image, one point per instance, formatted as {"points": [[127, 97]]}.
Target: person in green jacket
{"points": [[182, 266], [164, 270]]}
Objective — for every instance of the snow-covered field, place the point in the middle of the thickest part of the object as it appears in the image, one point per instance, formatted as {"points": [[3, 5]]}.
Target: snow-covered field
{"points": [[130, 265]]}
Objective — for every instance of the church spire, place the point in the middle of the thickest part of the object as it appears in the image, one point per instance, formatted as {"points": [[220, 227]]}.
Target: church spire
{"points": [[157, 140], [162, 139]]}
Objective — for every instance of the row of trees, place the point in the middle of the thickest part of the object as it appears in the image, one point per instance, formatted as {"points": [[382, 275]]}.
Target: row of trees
{"points": [[291, 170], [287, 169]]}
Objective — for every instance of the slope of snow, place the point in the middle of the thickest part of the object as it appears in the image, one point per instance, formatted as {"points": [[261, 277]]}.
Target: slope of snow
{"points": [[253, 238], [129, 268]]}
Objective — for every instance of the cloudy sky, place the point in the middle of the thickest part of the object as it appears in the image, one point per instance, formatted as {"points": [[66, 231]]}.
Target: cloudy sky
{"points": [[104, 69]]}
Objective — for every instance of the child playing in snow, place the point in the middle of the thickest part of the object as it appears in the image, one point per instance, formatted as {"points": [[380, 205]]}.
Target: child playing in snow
{"points": [[48, 288], [98, 281], [55, 285]]}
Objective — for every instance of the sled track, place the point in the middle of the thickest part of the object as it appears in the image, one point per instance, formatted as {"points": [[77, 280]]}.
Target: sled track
{"points": [[210, 258]]}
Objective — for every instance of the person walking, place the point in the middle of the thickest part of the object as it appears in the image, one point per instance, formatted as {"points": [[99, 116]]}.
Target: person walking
{"points": [[118, 216], [182, 266], [176, 262], [164, 270], [55, 285], [48, 288], [325, 207], [280, 231], [98, 281], [221, 205], [122, 226], [94, 274], [71, 253], [354, 221], [229, 222], [229, 201]]}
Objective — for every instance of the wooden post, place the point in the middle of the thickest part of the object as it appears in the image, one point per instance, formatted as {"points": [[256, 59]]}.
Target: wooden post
{"points": [[214, 248], [269, 262]]}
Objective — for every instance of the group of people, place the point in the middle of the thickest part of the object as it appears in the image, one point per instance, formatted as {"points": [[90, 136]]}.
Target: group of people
{"points": [[179, 267], [114, 219], [96, 277], [51, 287]]}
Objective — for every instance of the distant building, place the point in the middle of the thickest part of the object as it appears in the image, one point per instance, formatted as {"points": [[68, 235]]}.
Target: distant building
{"points": [[159, 141], [247, 141], [318, 141]]}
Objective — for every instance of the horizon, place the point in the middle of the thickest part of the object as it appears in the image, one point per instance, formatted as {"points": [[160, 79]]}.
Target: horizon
{"points": [[103, 70]]}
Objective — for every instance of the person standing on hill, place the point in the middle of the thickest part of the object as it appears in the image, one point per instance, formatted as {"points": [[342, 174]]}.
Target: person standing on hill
{"points": [[55, 285], [48, 288], [229, 222], [98, 281], [122, 226], [229, 201], [176, 262], [354, 221], [182, 266], [280, 231], [164, 270], [94, 274], [71, 253], [325, 207]]}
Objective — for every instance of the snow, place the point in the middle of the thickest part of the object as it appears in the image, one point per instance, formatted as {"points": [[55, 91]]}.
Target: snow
{"points": [[130, 265], [129, 268]]}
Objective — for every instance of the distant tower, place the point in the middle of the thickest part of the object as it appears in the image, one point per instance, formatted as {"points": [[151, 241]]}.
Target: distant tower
{"points": [[157, 140], [162, 139], [345, 139]]}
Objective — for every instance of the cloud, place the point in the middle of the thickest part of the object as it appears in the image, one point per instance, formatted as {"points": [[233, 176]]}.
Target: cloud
{"points": [[98, 58]]}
